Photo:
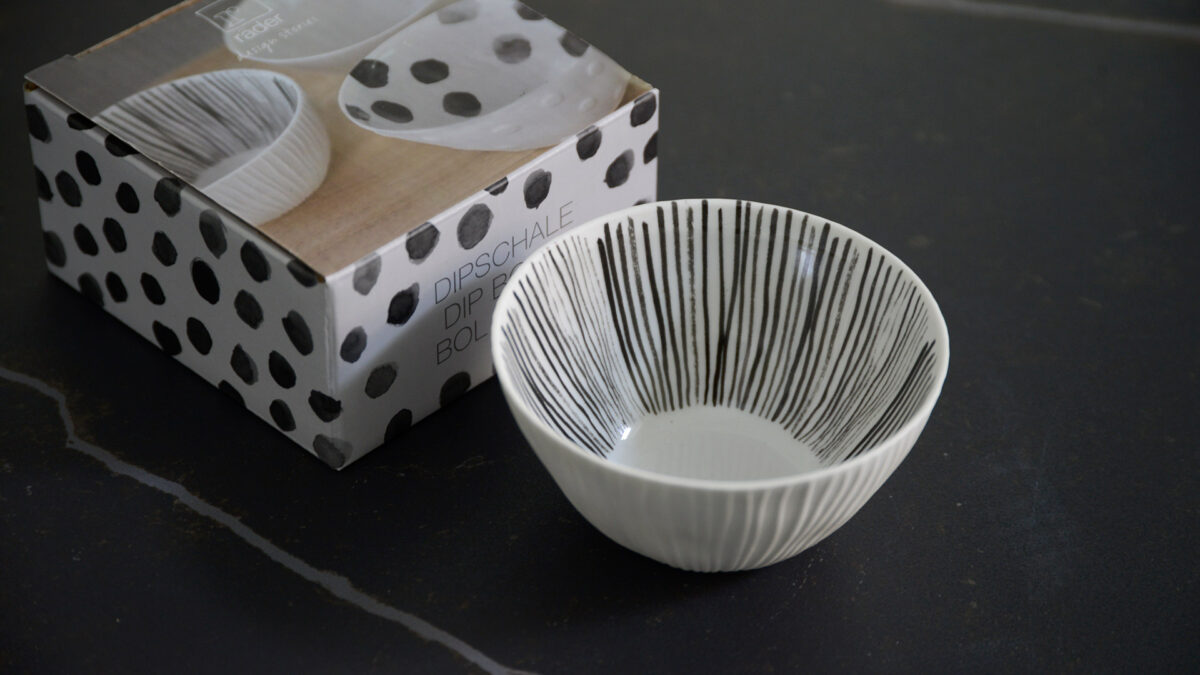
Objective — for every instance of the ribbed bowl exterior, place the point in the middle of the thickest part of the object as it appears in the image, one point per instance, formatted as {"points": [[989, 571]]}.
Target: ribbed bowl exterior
{"points": [[715, 530], [282, 176]]}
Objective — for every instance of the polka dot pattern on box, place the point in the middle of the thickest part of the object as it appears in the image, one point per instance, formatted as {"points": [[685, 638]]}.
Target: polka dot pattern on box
{"points": [[209, 291], [153, 252]]}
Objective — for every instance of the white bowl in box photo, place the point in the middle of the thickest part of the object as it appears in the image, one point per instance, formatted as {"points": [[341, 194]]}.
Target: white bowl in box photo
{"points": [[248, 139]]}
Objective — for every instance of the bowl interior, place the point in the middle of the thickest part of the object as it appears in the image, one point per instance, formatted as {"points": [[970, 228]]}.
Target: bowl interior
{"points": [[204, 127], [719, 340], [472, 59]]}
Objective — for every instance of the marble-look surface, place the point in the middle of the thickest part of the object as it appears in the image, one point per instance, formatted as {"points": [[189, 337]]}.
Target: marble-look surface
{"points": [[1038, 170]]}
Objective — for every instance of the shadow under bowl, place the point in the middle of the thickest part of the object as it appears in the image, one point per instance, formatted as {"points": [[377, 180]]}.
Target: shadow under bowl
{"points": [[248, 139], [718, 384]]}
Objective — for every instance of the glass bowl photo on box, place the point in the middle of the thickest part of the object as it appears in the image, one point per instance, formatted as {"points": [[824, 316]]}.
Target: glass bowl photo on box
{"points": [[483, 75]]}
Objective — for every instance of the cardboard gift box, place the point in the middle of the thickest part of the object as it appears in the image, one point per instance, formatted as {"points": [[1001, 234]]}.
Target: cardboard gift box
{"points": [[315, 205]]}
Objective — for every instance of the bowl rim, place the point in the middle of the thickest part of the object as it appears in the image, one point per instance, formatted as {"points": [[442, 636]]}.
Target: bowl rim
{"points": [[302, 102], [586, 230]]}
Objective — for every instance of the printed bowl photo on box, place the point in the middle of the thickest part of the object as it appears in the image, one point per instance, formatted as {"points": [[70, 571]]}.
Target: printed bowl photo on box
{"points": [[718, 384], [482, 75], [329, 34], [248, 139]]}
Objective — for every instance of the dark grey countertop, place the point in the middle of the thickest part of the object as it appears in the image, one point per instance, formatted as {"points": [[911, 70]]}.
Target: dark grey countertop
{"points": [[1037, 167]]}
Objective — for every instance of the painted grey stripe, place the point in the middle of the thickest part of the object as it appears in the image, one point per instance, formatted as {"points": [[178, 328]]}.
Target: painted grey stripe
{"points": [[335, 584], [1007, 10]]}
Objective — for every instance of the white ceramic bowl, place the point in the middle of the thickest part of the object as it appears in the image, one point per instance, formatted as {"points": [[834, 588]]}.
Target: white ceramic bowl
{"points": [[482, 75], [248, 139], [331, 34], [718, 385]]}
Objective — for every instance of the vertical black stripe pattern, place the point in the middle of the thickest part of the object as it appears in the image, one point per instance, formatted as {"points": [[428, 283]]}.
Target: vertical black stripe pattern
{"points": [[752, 307]]}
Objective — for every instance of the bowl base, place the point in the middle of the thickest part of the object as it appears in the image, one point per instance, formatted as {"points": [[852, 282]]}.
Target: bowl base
{"points": [[711, 442]]}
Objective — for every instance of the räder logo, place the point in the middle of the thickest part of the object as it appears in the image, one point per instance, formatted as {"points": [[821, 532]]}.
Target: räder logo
{"points": [[231, 15]]}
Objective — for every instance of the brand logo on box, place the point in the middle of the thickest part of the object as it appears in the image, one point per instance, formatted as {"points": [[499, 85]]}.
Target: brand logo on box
{"points": [[230, 15]]}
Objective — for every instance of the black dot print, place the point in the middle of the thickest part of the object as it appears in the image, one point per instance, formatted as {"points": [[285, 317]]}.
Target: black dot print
{"points": [[117, 290], [403, 304], [91, 288], [37, 123], [392, 111], [573, 44], [127, 198], [528, 13], [243, 366], [163, 249], [298, 332], [116, 287], [281, 371], [588, 143], [429, 71], [498, 187], [643, 109], [231, 392], [43, 185], [88, 171], [79, 122], [474, 225], [212, 230], [353, 345], [166, 339], [455, 386], [199, 336], [618, 171], [85, 241], [248, 309], [332, 451], [511, 48], [152, 289], [641, 201], [205, 281], [357, 113], [420, 242], [380, 380], [325, 407], [461, 103], [68, 189], [399, 424], [366, 272], [166, 193], [371, 73], [537, 186], [255, 262], [458, 12], [282, 414], [117, 147], [55, 252], [115, 235], [650, 152], [303, 274]]}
